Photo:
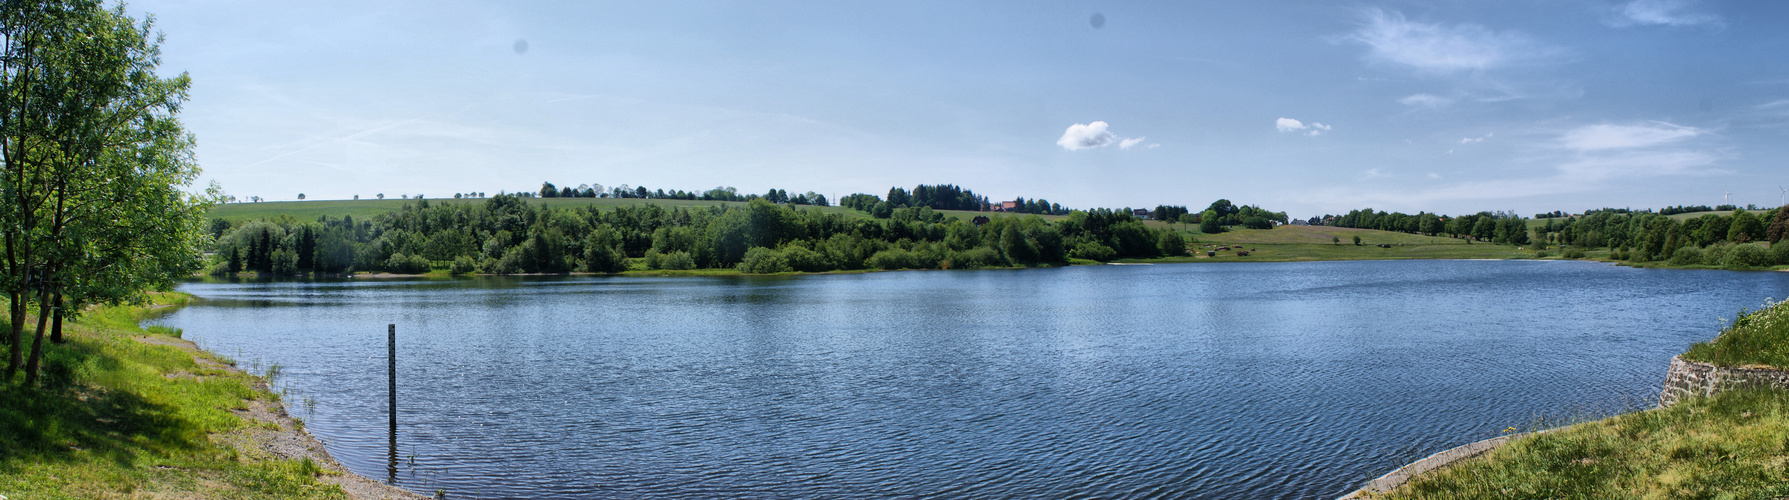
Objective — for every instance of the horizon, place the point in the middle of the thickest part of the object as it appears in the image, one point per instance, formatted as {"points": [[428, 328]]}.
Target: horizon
{"points": [[1526, 108]]}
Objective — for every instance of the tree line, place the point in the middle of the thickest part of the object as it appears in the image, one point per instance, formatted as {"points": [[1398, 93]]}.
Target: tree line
{"points": [[724, 193], [941, 197], [1223, 214], [91, 208], [1647, 237], [1495, 227], [506, 234]]}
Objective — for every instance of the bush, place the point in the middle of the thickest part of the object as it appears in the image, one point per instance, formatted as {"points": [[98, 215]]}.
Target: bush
{"points": [[1573, 254], [1171, 244], [1093, 251], [462, 265], [676, 261], [807, 261], [1714, 254], [1541, 254], [604, 259], [1779, 252], [978, 257], [407, 264], [285, 262], [893, 258], [760, 260], [1686, 256], [1254, 222], [1745, 256]]}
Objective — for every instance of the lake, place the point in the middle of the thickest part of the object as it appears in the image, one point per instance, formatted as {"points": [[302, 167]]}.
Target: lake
{"points": [[1271, 380]]}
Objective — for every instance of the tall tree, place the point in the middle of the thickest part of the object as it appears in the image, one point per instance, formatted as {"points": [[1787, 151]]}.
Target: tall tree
{"points": [[95, 160]]}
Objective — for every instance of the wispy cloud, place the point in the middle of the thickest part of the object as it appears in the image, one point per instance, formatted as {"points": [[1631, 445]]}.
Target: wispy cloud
{"points": [[1425, 101], [1662, 13], [1395, 39], [1606, 137], [1292, 125], [1476, 140]]}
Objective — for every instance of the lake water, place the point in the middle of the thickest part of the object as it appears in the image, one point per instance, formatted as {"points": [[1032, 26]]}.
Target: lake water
{"points": [[1272, 380]]}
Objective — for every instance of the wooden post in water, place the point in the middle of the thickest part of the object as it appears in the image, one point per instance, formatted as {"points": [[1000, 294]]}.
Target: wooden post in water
{"points": [[391, 364], [391, 370]]}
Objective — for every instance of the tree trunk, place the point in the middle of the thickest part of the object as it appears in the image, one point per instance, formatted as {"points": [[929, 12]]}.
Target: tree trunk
{"points": [[56, 320], [43, 318], [16, 334]]}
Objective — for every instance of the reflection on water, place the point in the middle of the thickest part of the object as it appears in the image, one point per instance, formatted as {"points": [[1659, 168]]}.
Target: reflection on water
{"points": [[1287, 380]]}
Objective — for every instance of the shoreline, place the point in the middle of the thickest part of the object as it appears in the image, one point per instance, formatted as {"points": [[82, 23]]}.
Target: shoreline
{"points": [[287, 439]]}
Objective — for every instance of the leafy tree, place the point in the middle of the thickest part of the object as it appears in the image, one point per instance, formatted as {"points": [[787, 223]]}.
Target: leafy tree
{"points": [[1745, 228], [1211, 222], [548, 190], [92, 211]]}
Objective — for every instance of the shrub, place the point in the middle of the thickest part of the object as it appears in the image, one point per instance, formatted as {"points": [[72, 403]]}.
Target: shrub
{"points": [[807, 261], [1573, 254], [1686, 256], [893, 258], [1541, 254], [1779, 252], [462, 265], [977, 257], [1093, 251], [760, 260], [600, 258], [1619, 254], [677, 261], [1171, 244], [1714, 254], [1744, 256], [407, 264], [285, 262]]}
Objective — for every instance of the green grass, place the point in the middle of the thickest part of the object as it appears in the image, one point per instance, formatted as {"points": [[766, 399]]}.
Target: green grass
{"points": [[107, 421], [1733, 445], [1313, 243], [1755, 338]]}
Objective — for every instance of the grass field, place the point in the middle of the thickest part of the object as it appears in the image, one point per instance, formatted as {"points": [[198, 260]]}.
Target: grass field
{"points": [[115, 417]]}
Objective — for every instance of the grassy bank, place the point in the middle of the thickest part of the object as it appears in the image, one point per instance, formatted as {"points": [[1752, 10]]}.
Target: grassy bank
{"points": [[119, 414], [1733, 445]]}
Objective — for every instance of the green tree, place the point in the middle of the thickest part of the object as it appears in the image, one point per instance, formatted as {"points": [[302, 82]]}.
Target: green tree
{"points": [[1745, 228], [1211, 222], [94, 158]]}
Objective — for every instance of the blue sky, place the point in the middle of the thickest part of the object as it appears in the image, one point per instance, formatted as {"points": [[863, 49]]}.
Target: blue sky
{"points": [[1307, 107]]}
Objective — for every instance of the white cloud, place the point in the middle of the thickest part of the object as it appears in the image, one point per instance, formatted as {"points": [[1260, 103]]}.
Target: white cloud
{"points": [[1425, 101], [1434, 47], [1607, 137], [1097, 135], [1092, 135], [1433, 175], [1475, 140], [1291, 125], [1661, 13]]}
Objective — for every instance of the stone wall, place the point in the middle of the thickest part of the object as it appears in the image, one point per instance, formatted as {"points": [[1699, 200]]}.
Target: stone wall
{"points": [[1695, 378]]}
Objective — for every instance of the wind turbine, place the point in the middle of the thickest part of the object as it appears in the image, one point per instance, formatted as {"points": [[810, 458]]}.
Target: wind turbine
{"points": [[1781, 196], [1724, 197]]}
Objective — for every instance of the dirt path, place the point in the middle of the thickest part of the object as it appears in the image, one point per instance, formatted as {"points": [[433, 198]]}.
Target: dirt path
{"points": [[272, 434]]}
